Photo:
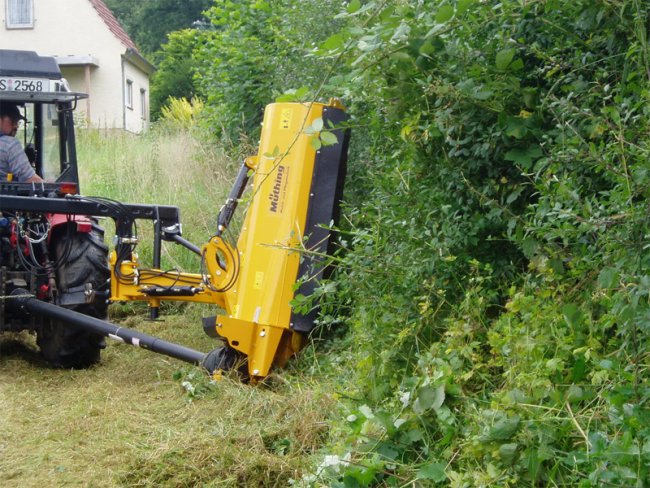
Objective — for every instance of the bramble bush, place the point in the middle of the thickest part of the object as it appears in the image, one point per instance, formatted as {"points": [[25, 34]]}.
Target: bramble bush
{"points": [[495, 274]]}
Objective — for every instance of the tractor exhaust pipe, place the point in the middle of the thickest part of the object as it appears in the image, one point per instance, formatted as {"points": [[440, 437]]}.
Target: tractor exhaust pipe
{"points": [[23, 301]]}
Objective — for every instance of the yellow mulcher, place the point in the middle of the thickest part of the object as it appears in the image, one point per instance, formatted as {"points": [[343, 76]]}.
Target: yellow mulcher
{"points": [[57, 275]]}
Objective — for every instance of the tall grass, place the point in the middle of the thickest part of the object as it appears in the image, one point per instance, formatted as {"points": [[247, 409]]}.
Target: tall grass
{"points": [[170, 165]]}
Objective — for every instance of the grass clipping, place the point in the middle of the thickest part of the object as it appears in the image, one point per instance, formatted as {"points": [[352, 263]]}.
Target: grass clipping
{"points": [[128, 422], [139, 418]]}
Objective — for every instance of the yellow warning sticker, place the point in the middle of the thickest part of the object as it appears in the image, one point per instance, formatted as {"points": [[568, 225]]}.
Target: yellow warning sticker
{"points": [[285, 118]]}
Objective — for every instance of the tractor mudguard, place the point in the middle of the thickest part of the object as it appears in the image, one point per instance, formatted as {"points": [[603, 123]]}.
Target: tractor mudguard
{"points": [[84, 223]]}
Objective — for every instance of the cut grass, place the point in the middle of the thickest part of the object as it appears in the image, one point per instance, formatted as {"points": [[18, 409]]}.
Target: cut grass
{"points": [[127, 422]]}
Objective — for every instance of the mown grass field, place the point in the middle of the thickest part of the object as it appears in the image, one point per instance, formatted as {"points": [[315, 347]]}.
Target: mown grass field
{"points": [[139, 418]]}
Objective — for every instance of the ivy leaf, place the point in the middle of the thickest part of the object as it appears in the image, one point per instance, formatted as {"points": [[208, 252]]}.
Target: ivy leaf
{"points": [[353, 6], [524, 157], [429, 397], [483, 94], [432, 471], [445, 13], [332, 43], [572, 315], [302, 92], [359, 476], [529, 247], [516, 127], [503, 430], [508, 452], [388, 451], [328, 138], [504, 58], [514, 195], [575, 394], [464, 5], [315, 143], [608, 277], [516, 65]]}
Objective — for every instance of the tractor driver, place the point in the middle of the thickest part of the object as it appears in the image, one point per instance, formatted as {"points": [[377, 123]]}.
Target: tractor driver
{"points": [[13, 159]]}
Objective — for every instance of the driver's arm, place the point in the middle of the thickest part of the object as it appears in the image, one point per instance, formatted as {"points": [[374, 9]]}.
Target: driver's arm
{"points": [[35, 179]]}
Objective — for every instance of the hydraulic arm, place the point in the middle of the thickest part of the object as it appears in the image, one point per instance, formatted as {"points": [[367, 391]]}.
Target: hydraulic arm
{"points": [[54, 278], [291, 204]]}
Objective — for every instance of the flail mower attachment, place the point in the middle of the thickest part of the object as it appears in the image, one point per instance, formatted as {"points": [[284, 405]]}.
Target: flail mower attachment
{"points": [[297, 181]]}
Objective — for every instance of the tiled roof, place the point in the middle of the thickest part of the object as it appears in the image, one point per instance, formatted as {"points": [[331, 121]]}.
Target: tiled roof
{"points": [[112, 23]]}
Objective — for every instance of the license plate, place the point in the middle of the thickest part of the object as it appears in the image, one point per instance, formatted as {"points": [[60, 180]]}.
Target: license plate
{"points": [[14, 84]]}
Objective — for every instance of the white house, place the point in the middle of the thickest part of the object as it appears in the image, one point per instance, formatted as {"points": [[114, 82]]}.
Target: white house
{"points": [[94, 53]]}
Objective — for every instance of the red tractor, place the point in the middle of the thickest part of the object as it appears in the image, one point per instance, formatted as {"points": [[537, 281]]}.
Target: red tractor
{"points": [[59, 258]]}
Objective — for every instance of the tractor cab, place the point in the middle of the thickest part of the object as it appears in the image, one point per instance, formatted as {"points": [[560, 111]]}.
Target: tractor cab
{"points": [[43, 96]]}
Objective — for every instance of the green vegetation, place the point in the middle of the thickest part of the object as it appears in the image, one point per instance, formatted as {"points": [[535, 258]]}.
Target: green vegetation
{"points": [[492, 280], [149, 21], [487, 323]]}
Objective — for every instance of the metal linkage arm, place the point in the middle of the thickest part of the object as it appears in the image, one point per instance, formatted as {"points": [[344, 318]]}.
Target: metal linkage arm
{"points": [[168, 215], [228, 210]]}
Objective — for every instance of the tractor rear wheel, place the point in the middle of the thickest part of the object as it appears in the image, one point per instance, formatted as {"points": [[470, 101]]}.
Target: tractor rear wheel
{"points": [[82, 260]]}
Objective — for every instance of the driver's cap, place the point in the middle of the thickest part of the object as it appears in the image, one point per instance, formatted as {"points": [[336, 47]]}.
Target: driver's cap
{"points": [[10, 110]]}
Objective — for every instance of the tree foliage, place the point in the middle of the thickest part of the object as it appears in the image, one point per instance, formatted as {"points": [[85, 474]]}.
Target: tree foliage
{"points": [[257, 50], [149, 21], [176, 71]]}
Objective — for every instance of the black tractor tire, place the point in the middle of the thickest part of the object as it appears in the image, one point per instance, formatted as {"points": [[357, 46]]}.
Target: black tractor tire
{"points": [[84, 257]]}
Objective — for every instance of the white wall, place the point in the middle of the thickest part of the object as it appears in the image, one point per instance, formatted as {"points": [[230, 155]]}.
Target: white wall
{"points": [[136, 121], [74, 28]]}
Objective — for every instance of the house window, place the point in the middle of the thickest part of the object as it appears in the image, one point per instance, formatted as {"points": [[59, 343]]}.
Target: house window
{"points": [[129, 94], [143, 104], [20, 14]]}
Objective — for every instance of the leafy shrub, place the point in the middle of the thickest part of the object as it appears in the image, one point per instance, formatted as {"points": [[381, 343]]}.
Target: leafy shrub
{"points": [[495, 257], [182, 112]]}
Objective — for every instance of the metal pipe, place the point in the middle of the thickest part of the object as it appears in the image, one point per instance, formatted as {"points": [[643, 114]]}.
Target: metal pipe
{"points": [[154, 312], [31, 304], [187, 244]]}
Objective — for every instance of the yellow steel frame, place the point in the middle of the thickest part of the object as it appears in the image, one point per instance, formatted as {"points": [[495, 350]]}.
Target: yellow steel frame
{"points": [[262, 270]]}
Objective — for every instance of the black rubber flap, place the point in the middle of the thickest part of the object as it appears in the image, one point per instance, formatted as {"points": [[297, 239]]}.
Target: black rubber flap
{"points": [[324, 208]]}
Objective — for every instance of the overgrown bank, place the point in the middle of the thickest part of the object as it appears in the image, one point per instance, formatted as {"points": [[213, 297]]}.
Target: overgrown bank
{"points": [[495, 281]]}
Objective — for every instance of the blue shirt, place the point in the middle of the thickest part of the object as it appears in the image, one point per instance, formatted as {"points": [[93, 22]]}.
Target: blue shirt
{"points": [[14, 160]]}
